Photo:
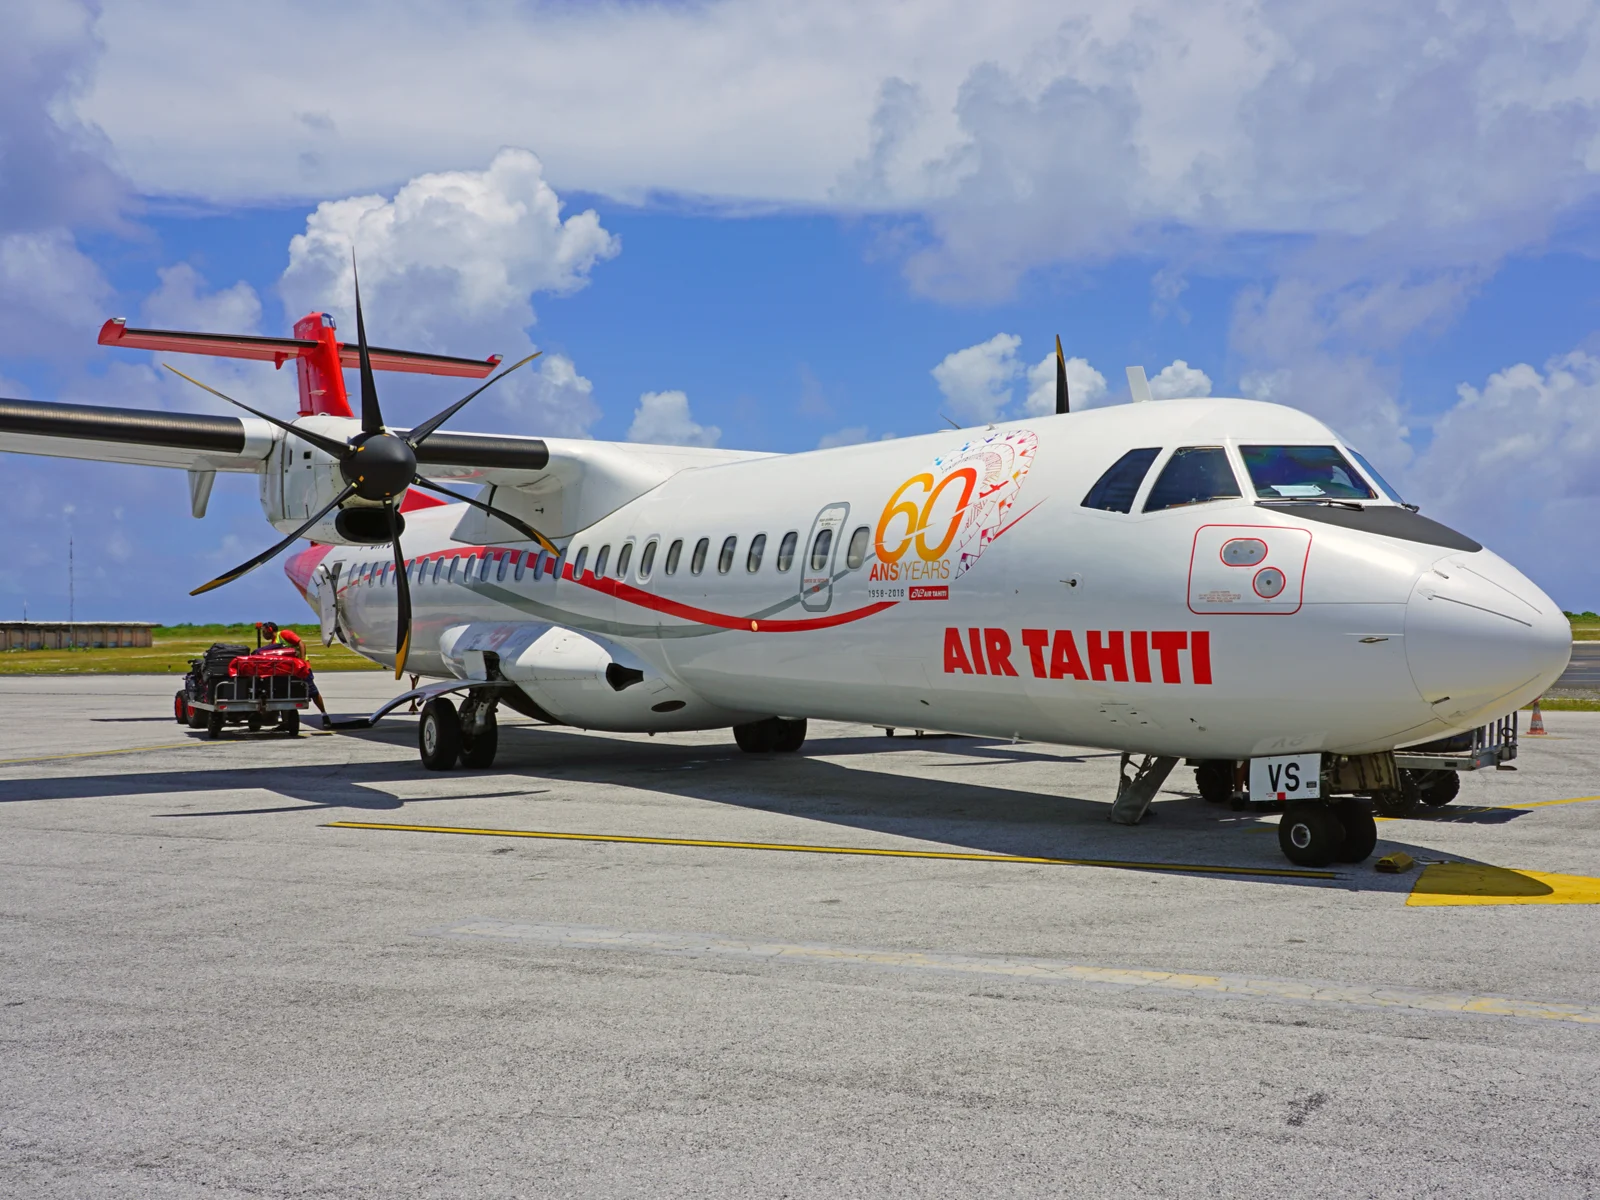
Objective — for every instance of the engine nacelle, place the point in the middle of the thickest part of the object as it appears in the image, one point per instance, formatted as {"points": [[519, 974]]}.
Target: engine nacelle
{"points": [[581, 679], [298, 479]]}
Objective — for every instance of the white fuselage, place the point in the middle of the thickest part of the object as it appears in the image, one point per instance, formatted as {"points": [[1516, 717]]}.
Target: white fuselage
{"points": [[985, 598]]}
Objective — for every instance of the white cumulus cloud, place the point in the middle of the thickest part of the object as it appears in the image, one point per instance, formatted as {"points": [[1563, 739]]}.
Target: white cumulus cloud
{"points": [[851, 435], [181, 302], [1178, 381], [977, 382], [451, 264], [663, 418], [1086, 387]]}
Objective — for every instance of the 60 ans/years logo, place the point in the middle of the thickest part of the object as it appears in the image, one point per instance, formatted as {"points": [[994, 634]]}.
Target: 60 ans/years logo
{"points": [[937, 523]]}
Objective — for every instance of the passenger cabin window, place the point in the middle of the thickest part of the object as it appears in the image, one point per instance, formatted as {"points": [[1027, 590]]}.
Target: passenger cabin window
{"points": [[674, 552], [522, 566], [1193, 475], [857, 552], [821, 550], [725, 558], [758, 546], [647, 560], [577, 563], [505, 561], [1303, 473], [483, 566], [600, 561], [624, 557], [786, 550], [1114, 491], [697, 561]]}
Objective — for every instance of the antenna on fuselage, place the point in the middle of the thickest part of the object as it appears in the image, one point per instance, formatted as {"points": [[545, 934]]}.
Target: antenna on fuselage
{"points": [[1062, 404], [1138, 385]]}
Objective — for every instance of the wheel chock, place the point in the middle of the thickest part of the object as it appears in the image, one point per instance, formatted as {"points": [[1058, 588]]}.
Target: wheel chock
{"points": [[1397, 863]]}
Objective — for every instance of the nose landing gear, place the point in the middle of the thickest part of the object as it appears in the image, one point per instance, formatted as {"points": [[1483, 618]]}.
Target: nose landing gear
{"points": [[1317, 833]]}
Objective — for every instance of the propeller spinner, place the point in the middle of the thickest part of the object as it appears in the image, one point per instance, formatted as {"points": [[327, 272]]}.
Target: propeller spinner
{"points": [[377, 467]]}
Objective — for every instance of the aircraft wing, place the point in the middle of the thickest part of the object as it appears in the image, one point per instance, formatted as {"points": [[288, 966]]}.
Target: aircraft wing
{"points": [[189, 441]]}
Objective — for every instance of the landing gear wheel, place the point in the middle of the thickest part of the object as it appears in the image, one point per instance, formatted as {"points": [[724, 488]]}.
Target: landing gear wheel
{"points": [[478, 749], [214, 723], [757, 737], [791, 735], [1397, 802], [1310, 835], [289, 723], [439, 735], [180, 708], [1434, 788], [1213, 779], [1360, 830]]}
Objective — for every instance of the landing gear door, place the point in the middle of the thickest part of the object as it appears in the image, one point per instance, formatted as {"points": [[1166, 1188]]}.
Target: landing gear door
{"points": [[820, 550], [328, 601]]}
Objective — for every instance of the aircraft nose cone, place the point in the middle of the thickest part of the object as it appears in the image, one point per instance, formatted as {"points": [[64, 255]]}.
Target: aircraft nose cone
{"points": [[1481, 638]]}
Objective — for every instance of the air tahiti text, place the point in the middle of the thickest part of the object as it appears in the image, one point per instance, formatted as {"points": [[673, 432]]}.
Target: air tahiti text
{"points": [[1107, 655]]}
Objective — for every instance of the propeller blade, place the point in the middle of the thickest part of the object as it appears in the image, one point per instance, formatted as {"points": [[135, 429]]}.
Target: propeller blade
{"points": [[516, 523], [417, 435], [371, 415], [402, 637], [1062, 404], [245, 568], [326, 444]]}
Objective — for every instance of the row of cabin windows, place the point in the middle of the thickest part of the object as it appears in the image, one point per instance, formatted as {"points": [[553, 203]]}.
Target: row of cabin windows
{"points": [[818, 557], [460, 568]]}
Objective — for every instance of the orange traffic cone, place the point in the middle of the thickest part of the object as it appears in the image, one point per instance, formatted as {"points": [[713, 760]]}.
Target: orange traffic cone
{"points": [[1536, 726]]}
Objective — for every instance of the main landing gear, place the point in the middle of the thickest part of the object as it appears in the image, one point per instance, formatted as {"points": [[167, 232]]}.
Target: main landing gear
{"points": [[470, 736], [775, 735]]}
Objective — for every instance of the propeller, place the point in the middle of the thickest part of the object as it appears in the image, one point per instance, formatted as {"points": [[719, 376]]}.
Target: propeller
{"points": [[378, 466], [1061, 379]]}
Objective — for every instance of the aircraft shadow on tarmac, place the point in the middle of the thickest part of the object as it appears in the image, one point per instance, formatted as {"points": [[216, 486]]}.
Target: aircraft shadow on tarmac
{"points": [[968, 816]]}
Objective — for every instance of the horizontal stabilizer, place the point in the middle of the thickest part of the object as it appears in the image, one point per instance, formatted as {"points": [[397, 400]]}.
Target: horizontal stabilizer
{"points": [[278, 351]]}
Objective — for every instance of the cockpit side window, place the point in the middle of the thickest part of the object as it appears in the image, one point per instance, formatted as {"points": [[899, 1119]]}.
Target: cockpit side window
{"points": [[1384, 485], [1303, 473], [1114, 491], [1193, 475]]}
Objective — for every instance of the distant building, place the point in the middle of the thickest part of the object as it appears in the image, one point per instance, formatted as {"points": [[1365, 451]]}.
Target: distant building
{"points": [[64, 635]]}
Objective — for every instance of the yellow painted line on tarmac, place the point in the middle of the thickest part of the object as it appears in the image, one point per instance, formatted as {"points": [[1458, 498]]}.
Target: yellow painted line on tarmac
{"points": [[1015, 969], [6, 762], [797, 848], [1548, 803], [1448, 884]]}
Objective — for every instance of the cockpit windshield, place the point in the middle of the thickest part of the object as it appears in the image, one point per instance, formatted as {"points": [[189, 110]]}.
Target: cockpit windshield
{"points": [[1384, 485], [1303, 473]]}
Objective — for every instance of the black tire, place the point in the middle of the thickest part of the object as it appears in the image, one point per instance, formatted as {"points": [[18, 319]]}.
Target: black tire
{"points": [[757, 737], [1360, 830], [791, 735], [478, 749], [1398, 802], [180, 708], [1213, 779], [289, 722], [439, 735], [214, 723], [1310, 835], [1435, 788], [197, 717], [254, 721]]}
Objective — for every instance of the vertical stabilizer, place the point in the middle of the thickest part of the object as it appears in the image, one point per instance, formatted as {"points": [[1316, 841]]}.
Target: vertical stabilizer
{"points": [[321, 377]]}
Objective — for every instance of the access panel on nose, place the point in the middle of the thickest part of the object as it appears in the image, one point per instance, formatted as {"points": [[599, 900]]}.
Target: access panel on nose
{"points": [[1248, 570]]}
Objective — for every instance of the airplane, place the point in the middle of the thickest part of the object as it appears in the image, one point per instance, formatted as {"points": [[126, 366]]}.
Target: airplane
{"points": [[1224, 581]]}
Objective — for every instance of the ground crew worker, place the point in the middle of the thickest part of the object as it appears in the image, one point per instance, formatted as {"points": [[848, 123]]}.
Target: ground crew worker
{"points": [[290, 640]]}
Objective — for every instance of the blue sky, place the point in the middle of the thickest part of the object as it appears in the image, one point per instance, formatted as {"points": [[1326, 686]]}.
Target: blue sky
{"points": [[817, 229]]}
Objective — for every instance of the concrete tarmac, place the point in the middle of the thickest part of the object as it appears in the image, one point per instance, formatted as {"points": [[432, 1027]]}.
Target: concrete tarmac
{"points": [[208, 990]]}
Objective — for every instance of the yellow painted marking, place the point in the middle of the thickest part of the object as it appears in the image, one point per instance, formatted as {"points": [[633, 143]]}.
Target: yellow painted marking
{"points": [[1029, 970], [958, 856], [1548, 803], [6, 762], [1474, 883]]}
